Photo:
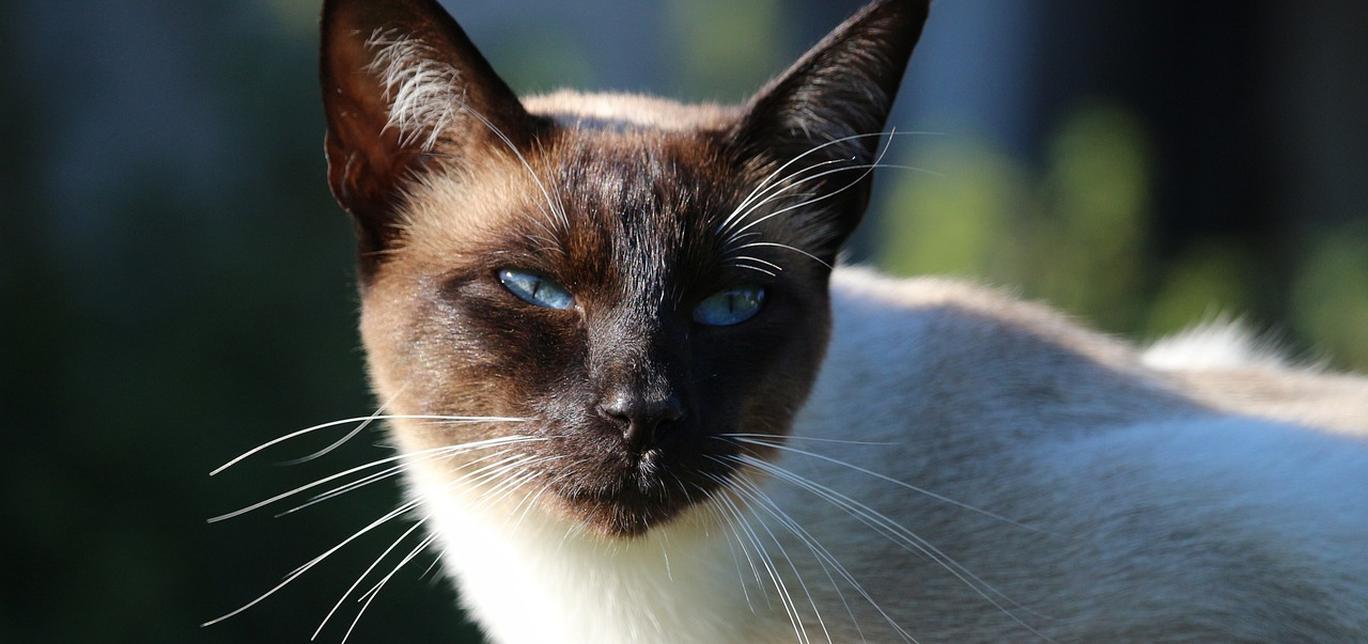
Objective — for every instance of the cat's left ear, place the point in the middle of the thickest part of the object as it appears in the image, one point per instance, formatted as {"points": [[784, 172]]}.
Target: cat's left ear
{"points": [[842, 88]]}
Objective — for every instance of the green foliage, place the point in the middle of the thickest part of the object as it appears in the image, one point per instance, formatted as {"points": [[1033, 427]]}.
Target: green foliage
{"points": [[724, 59], [1076, 234], [1330, 301]]}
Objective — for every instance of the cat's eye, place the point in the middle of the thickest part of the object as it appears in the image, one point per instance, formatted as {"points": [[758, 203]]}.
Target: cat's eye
{"points": [[536, 290], [732, 306]]}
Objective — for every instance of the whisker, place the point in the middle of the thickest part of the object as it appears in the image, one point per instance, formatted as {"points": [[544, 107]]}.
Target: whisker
{"points": [[416, 525], [889, 479], [756, 501], [823, 553], [295, 574], [362, 419], [351, 434], [729, 523], [868, 168], [812, 150], [374, 592], [765, 196], [491, 470], [757, 260], [810, 438], [790, 608], [493, 442], [795, 249], [900, 535], [756, 269], [379, 476], [514, 149]]}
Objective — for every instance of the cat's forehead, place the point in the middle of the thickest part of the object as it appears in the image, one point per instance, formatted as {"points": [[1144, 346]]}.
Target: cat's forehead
{"points": [[599, 196]]}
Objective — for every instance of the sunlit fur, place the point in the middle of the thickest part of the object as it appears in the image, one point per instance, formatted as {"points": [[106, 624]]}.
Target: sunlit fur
{"points": [[953, 465], [1151, 516]]}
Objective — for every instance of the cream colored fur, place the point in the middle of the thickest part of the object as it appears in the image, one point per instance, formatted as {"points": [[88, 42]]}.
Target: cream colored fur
{"points": [[1154, 501]]}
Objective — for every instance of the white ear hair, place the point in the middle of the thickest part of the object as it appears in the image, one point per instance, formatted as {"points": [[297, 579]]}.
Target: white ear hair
{"points": [[424, 93]]}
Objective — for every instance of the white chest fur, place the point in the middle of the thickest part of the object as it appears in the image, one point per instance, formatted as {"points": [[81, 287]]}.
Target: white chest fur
{"points": [[529, 577]]}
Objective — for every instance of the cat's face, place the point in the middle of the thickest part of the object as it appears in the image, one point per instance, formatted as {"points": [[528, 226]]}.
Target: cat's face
{"points": [[634, 280]]}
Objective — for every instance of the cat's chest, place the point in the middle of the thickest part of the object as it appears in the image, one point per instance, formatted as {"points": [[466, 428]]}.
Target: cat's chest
{"points": [[527, 577]]}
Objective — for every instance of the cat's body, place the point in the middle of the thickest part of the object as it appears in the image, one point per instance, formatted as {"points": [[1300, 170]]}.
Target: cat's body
{"points": [[1151, 514], [687, 427]]}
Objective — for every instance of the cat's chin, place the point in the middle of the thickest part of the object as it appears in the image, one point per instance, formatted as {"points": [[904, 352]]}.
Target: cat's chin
{"points": [[629, 507], [617, 521], [626, 514]]}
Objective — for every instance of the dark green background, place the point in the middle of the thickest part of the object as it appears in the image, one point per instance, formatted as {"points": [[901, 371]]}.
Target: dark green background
{"points": [[176, 284]]}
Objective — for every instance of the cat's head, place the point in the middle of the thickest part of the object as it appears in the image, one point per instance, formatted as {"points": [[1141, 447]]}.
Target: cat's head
{"points": [[635, 278]]}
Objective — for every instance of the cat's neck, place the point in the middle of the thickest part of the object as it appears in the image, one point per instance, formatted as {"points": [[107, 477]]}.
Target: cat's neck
{"points": [[528, 576]]}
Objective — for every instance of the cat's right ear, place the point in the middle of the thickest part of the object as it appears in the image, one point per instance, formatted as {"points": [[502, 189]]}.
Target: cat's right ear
{"points": [[403, 88], [831, 106]]}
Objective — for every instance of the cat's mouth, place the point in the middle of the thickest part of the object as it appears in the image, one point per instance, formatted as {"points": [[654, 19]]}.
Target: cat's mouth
{"points": [[647, 493]]}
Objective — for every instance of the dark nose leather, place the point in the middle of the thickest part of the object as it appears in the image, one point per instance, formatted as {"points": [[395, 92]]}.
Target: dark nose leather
{"points": [[641, 420]]}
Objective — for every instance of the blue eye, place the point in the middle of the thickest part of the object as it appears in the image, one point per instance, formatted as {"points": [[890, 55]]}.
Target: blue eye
{"points": [[537, 290], [732, 306]]}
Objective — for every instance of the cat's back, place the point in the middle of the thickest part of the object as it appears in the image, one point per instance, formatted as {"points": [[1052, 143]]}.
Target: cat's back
{"points": [[1154, 507], [988, 336]]}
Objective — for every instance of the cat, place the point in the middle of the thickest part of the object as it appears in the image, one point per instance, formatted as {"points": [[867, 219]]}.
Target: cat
{"points": [[636, 400]]}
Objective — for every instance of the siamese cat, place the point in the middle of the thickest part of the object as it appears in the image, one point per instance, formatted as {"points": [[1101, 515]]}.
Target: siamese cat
{"points": [[633, 400]]}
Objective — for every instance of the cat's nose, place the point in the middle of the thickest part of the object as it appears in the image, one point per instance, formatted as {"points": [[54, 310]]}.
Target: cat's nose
{"points": [[639, 418]]}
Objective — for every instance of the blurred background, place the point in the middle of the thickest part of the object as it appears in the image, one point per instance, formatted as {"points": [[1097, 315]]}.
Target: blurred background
{"points": [[176, 283]]}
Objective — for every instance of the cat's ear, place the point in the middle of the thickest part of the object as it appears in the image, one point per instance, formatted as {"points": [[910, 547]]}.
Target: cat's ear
{"points": [[403, 87], [840, 91]]}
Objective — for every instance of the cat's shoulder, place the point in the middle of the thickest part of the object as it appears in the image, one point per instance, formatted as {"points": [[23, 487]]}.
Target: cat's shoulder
{"points": [[867, 303]]}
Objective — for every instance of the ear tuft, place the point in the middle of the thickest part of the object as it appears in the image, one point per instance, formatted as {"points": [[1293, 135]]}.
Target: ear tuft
{"points": [[403, 88], [423, 91]]}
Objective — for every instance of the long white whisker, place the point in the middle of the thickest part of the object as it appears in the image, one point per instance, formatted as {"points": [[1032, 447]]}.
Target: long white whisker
{"points": [[362, 419], [416, 525], [757, 260], [727, 533], [754, 495], [760, 186], [464, 476], [378, 476], [514, 149], [763, 195], [494, 442], [899, 534], [822, 553], [795, 249], [729, 521], [493, 470], [809, 438], [889, 479], [757, 269], [316, 560], [790, 608], [373, 593], [351, 434], [868, 168]]}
